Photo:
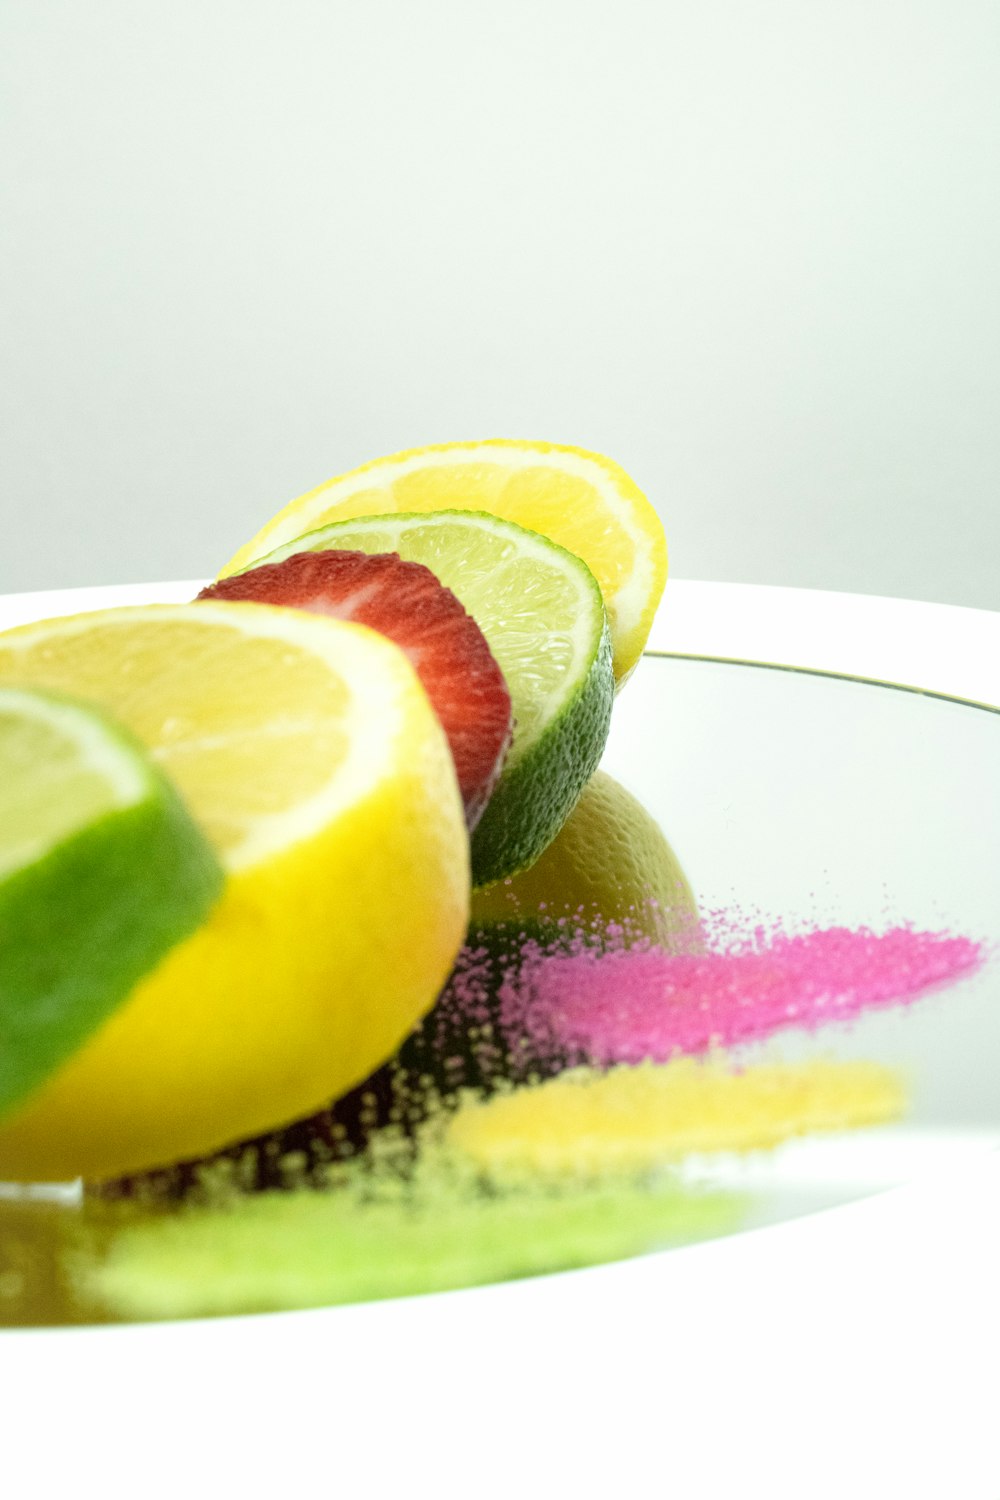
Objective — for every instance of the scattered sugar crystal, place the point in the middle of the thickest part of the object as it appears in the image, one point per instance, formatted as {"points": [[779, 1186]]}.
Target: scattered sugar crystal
{"points": [[381, 1237], [634, 1119], [627, 1004], [475, 1156]]}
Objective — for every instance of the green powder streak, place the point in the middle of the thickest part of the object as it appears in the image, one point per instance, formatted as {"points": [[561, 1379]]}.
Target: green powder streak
{"points": [[376, 1235]]}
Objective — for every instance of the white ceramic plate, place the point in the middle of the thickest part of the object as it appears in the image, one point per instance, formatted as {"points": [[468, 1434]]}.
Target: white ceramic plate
{"points": [[824, 1352]]}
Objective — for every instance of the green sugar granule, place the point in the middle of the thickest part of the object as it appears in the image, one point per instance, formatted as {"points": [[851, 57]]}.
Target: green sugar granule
{"points": [[277, 1251]]}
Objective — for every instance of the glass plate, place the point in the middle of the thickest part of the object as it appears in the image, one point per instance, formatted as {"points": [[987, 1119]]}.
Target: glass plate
{"points": [[818, 800], [821, 801]]}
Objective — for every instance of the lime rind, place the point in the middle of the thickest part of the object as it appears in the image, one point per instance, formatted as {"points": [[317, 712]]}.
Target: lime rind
{"points": [[85, 917], [542, 612], [536, 795]]}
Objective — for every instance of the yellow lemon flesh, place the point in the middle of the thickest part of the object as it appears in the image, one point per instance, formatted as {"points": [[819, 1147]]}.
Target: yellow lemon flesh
{"points": [[581, 500], [309, 754]]}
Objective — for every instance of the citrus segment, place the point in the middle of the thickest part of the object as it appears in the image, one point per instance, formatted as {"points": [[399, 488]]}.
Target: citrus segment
{"points": [[307, 750], [102, 870], [583, 501]]}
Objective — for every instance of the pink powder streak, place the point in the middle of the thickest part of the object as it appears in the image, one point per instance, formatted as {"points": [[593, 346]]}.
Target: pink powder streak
{"points": [[631, 1004]]}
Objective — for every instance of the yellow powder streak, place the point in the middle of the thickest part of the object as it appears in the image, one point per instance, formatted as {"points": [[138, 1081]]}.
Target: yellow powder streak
{"points": [[633, 1119]]}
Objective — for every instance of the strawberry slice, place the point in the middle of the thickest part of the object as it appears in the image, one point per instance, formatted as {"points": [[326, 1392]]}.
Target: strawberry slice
{"points": [[407, 603]]}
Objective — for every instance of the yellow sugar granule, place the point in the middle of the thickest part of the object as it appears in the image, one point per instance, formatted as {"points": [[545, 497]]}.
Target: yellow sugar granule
{"points": [[633, 1119]]}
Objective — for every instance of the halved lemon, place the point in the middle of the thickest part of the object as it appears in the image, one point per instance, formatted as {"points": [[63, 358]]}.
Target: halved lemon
{"points": [[307, 751], [583, 501]]}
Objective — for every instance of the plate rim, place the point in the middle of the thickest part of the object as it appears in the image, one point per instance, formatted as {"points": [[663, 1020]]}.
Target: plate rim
{"points": [[949, 649]]}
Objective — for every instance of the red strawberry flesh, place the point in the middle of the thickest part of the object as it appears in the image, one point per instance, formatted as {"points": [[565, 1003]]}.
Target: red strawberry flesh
{"points": [[407, 603]]}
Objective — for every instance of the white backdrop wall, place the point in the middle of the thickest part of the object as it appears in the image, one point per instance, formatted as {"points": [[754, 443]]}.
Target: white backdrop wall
{"points": [[749, 248]]}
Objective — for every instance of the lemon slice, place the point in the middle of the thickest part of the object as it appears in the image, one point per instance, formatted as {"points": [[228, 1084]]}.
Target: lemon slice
{"points": [[308, 753], [581, 500], [102, 870]]}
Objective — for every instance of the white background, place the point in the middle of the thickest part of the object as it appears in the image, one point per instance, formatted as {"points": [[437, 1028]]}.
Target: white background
{"points": [[747, 247]]}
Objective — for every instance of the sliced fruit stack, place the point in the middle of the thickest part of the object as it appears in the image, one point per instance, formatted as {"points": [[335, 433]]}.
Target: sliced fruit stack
{"points": [[542, 615], [238, 837]]}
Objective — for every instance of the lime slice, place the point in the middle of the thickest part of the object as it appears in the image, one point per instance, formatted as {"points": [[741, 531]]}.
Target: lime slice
{"points": [[541, 610], [102, 870]]}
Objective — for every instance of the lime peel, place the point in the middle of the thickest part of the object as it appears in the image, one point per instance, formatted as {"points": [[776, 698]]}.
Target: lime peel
{"points": [[114, 874]]}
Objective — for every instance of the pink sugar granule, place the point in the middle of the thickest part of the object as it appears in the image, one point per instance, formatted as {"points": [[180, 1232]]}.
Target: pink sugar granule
{"points": [[626, 1005]]}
